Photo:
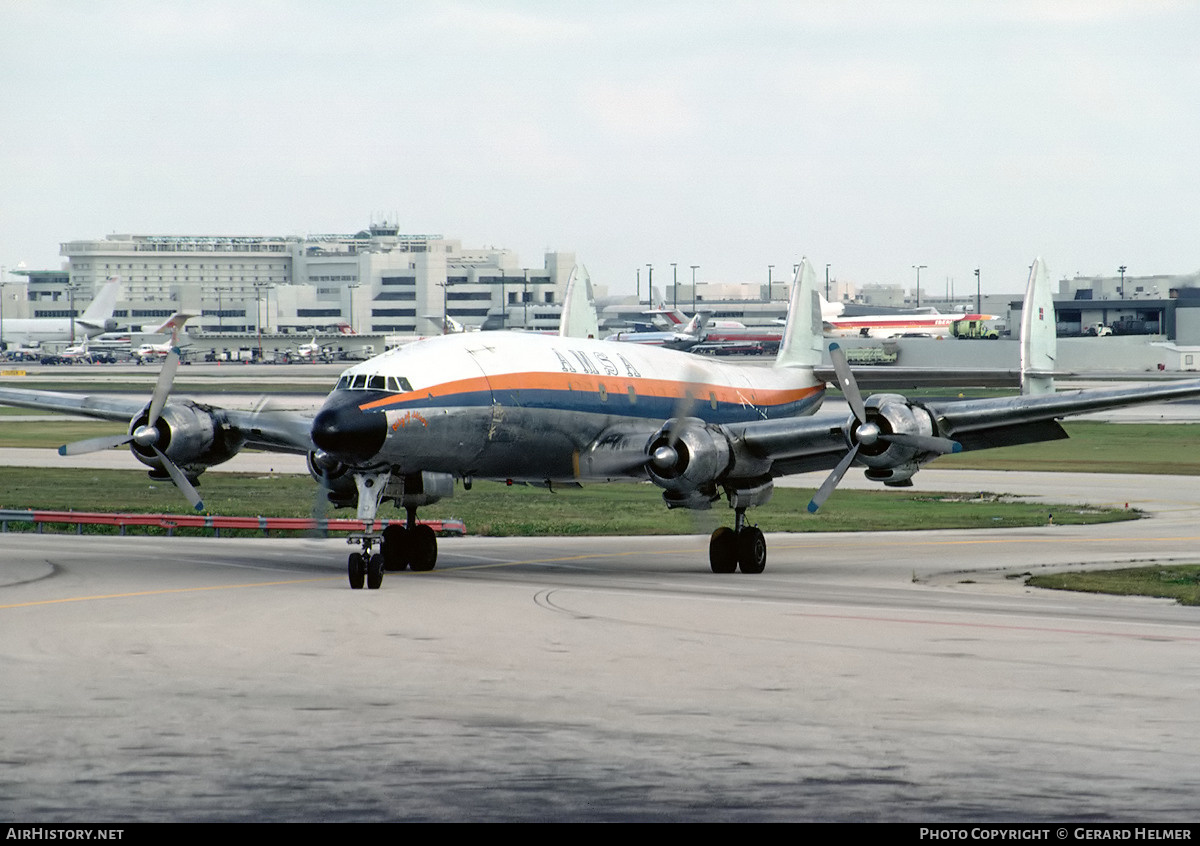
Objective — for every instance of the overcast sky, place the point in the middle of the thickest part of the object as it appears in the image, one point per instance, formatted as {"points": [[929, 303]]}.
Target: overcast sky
{"points": [[872, 136]]}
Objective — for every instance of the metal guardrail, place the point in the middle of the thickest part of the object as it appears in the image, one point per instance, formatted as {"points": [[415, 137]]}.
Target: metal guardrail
{"points": [[170, 522]]}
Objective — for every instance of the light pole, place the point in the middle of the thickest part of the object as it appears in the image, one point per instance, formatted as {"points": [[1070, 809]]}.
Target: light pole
{"points": [[258, 317], [827, 283], [1121, 269], [694, 266], [2, 309], [71, 308], [770, 282], [919, 268], [503, 303], [525, 300], [649, 287], [674, 287], [353, 313], [445, 286], [978, 295]]}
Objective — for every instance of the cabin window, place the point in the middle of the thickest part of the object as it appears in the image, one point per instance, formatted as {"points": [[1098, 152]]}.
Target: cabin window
{"points": [[632, 395]]}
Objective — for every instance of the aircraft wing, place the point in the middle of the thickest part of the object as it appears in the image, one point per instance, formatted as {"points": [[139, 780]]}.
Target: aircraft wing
{"points": [[273, 431], [100, 407], [892, 437], [270, 430], [891, 378]]}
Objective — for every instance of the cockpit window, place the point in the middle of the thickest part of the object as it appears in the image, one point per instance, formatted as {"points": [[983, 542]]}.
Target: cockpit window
{"points": [[373, 382]]}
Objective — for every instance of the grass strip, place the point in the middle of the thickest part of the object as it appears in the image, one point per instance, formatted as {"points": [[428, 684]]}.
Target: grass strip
{"points": [[1180, 582], [492, 508]]}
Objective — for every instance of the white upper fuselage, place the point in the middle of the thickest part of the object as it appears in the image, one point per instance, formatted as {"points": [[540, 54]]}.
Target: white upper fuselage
{"points": [[521, 405]]}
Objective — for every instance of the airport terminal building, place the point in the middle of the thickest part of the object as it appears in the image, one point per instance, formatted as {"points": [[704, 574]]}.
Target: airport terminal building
{"points": [[376, 281]]}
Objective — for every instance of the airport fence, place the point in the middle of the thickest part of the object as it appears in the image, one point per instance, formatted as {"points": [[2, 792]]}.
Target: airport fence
{"points": [[214, 523]]}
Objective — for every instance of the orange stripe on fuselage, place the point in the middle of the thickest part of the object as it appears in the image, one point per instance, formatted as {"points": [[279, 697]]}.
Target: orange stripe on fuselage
{"points": [[537, 381]]}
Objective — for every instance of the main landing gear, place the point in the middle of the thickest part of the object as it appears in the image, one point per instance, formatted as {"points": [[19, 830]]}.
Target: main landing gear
{"points": [[410, 545], [741, 547], [400, 548], [413, 545]]}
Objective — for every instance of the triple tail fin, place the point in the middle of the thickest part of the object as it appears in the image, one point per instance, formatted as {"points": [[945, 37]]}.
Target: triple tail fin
{"points": [[803, 339], [579, 307], [1039, 338]]}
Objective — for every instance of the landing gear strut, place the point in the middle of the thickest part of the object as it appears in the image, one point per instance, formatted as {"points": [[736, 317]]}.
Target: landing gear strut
{"points": [[401, 546], [367, 566], [741, 547]]}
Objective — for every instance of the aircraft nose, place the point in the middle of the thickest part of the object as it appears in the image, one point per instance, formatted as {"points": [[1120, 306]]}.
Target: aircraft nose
{"points": [[349, 435]]}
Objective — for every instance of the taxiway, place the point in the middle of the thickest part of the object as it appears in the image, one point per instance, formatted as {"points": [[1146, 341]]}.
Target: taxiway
{"points": [[882, 676]]}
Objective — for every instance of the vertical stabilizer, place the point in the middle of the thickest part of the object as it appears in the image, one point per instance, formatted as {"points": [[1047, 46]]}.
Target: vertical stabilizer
{"points": [[100, 310], [829, 309], [1039, 338], [579, 307], [694, 328], [802, 341]]}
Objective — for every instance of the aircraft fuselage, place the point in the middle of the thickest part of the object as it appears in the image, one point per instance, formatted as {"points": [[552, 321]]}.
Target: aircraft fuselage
{"points": [[523, 406]]}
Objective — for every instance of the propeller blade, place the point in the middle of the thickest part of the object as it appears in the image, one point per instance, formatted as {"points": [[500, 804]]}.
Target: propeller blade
{"points": [[180, 480], [687, 403], [925, 443], [847, 383], [94, 444], [831, 481], [162, 388]]}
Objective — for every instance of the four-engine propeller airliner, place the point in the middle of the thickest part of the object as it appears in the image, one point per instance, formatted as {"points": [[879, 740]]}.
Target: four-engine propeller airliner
{"points": [[406, 425]]}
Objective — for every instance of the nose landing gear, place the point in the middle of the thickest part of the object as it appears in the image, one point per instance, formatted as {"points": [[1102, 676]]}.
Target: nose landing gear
{"points": [[413, 545]]}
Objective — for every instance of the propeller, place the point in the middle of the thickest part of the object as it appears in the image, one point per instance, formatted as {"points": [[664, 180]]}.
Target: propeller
{"points": [[147, 435], [867, 433], [665, 456]]}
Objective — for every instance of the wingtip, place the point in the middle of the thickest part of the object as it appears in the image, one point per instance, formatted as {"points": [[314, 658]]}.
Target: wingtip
{"points": [[812, 507], [62, 450]]}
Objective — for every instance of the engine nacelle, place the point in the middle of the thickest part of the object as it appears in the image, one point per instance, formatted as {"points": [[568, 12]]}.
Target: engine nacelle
{"points": [[187, 433], [687, 457], [892, 414], [334, 476]]}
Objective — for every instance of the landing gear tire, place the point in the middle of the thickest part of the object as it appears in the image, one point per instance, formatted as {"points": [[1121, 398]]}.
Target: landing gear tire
{"points": [[751, 550], [422, 548], [357, 570], [395, 548], [375, 572], [723, 550]]}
